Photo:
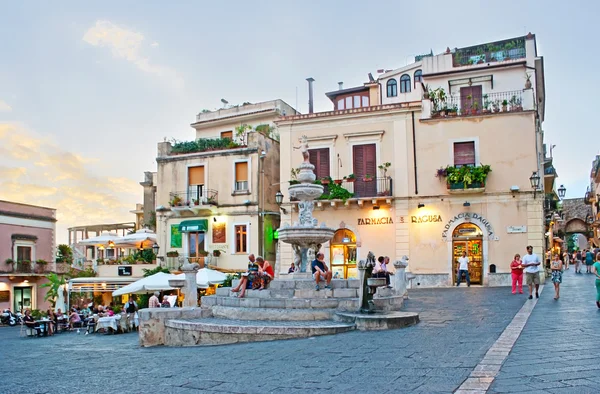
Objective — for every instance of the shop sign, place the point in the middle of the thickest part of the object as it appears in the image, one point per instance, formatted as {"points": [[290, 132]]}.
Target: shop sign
{"points": [[124, 270], [516, 229], [426, 219], [374, 221], [470, 217], [5, 296]]}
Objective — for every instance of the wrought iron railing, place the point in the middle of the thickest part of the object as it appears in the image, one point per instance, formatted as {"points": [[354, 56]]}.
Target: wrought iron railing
{"points": [[488, 103], [195, 196], [489, 53], [362, 188]]}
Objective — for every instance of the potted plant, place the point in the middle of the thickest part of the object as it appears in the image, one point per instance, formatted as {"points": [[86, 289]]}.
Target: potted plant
{"points": [[527, 81], [196, 201], [504, 105], [216, 253], [351, 178], [426, 92], [172, 253], [203, 253], [175, 201], [453, 111], [441, 173], [325, 181], [495, 106], [515, 104], [474, 107], [486, 104], [338, 181], [40, 265], [211, 200], [368, 178], [384, 167], [9, 262]]}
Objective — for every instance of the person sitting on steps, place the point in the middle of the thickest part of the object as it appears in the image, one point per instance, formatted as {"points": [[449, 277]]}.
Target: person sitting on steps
{"points": [[247, 278], [320, 271]]}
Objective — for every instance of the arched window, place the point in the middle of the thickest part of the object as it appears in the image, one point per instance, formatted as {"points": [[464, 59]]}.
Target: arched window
{"points": [[392, 88], [418, 77], [405, 84]]}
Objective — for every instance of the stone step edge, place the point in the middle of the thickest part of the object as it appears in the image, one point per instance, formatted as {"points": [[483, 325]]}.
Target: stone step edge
{"points": [[286, 314], [225, 328]]}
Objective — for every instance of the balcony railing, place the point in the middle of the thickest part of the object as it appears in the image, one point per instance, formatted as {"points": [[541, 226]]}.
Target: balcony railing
{"points": [[26, 267], [195, 196], [360, 188], [489, 103], [489, 53]]}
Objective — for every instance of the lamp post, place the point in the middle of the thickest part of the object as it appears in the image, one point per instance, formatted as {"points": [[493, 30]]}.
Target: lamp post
{"points": [[535, 182], [562, 190], [155, 249], [279, 200]]}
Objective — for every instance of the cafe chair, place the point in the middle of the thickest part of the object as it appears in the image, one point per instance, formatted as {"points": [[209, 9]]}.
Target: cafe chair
{"points": [[26, 331]]}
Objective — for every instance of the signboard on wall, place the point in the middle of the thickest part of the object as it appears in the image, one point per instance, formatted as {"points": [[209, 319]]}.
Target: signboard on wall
{"points": [[124, 270], [219, 233], [175, 236], [4, 296], [516, 229]]}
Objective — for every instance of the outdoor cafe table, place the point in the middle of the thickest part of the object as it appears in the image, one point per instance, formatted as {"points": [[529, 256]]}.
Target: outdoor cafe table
{"points": [[45, 323], [108, 322]]}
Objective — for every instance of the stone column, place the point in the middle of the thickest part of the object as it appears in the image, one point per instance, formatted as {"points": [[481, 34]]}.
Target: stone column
{"points": [[399, 278], [190, 289]]}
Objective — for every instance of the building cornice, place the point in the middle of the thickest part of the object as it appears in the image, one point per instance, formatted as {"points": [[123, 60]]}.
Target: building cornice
{"points": [[206, 155], [472, 69], [27, 216], [238, 117]]}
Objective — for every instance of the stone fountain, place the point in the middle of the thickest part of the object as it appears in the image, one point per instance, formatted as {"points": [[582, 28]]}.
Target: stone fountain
{"points": [[305, 234]]}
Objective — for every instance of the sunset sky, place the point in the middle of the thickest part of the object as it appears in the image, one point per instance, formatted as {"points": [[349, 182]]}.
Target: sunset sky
{"points": [[86, 91]]}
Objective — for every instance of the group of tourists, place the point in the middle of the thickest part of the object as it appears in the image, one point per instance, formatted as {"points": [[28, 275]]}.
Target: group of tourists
{"points": [[258, 276], [581, 257]]}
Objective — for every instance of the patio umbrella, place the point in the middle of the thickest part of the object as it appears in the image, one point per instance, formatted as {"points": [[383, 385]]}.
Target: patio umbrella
{"points": [[206, 277], [100, 240], [158, 281], [141, 239]]}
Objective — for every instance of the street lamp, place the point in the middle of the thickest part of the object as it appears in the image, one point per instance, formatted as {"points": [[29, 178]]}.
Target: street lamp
{"points": [[535, 182], [561, 191], [279, 200], [155, 248]]}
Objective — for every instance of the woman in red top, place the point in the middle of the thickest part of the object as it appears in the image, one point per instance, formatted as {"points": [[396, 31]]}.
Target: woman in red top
{"points": [[517, 274], [265, 272]]}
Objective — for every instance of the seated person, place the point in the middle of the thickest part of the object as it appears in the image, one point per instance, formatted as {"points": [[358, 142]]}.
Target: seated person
{"points": [[247, 278], [381, 271], [74, 318], [292, 268], [265, 273], [110, 312], [101, 311], [29, 322], [320, 271], [165, 302], [53, 321]]}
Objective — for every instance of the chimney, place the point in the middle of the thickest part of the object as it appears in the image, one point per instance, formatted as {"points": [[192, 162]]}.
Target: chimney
{"points": [[310, 95], [340, 86]]}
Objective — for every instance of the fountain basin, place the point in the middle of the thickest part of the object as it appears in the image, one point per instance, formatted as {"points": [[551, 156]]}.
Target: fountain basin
{"points": [[376, 282], [305, 236], [306, 191]]}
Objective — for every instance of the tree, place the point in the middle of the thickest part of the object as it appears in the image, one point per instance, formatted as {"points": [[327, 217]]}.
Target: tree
{"points": [[54, 284]]}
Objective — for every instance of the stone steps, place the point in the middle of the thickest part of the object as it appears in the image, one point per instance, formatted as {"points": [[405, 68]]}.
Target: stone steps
{"points": [[342, 304], [213, 331], [292, 293], [271, 314], [378, 321], [308, 284]]}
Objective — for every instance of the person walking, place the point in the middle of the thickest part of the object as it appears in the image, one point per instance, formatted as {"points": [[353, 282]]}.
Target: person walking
{"points": [[556, 266], [463, 268], [516, 271], [153, 302], [578, 257], [566, 258], [531, 262], [596, 271], [589, 260]]}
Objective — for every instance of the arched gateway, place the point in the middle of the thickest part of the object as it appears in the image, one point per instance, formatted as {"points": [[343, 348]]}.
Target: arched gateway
{"points": [[468, 237]]}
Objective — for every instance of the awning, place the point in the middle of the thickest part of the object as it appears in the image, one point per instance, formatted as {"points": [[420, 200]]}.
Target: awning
{"points": [[193, 225]]}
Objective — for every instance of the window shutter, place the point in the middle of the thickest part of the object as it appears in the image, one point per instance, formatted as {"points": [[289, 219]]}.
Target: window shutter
{"points": [[196, 176], [227, 134], [464, 153], [241, 171], [358, 160], [320, 159]]}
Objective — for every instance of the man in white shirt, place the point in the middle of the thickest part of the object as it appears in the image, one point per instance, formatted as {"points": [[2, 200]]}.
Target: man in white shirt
{"points": [[531, 262], [463, 268]]}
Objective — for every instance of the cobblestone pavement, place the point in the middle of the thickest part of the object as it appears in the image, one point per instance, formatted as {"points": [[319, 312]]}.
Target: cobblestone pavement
{"points": [[457, 327], [559, 349]]}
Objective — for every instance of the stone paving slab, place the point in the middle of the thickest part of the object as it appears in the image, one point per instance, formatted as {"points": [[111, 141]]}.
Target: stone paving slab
{"points": [[457, 328]]}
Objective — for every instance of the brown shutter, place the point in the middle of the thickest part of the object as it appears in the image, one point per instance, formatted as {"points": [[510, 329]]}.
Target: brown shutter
{"points": [[320, 159], [241, 171], [365, 163], [227, 134], [476, 95], [196, 175], [464, 153]]}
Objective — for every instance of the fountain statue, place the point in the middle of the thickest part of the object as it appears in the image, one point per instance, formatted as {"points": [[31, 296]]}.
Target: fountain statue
{"points": [[305, 234]]}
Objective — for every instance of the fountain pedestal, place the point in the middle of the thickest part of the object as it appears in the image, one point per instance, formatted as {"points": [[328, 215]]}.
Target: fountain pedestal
{"points": [[190, 289]]}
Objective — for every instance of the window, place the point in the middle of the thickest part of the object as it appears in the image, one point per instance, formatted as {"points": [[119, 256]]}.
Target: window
{"points": [[241, 239], [348, 102], [195, 183], [469, 96], [405, 84], [241, 176], [23, 253], [392, 88], [365, 101], [195, 243], [356, 101], [464, 153], [418, 77], [340, 104], [320, 159], [227, 134], [364, 163]]}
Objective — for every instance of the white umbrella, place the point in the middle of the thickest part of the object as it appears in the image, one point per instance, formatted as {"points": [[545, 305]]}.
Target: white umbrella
{"points": [[158, 281], [137, 239], [206, 276], [102, 239]]}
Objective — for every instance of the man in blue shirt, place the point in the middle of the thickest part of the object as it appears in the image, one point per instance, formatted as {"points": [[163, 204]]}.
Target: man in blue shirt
{"points": [[320, 271]]}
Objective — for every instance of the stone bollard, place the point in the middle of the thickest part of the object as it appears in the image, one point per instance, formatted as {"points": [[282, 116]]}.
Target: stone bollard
{"points": [[190, 289], [400, 277]]}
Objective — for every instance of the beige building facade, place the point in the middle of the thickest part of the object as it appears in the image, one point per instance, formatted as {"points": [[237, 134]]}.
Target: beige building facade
{"points": [[394, 162], [215, 195]]}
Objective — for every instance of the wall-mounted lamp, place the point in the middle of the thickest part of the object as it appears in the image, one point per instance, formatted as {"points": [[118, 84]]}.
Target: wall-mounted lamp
{"points": [[421, 205], [279, 200], [155, 249], [214, 219], [562, 190], [534, 179], [375, 207], [466, 204]]}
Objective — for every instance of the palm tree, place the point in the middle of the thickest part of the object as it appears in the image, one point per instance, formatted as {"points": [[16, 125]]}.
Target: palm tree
{"points": [[54, 283]]}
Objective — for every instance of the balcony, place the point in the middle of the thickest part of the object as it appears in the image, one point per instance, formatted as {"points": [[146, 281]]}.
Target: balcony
{"points": [[498, 51], [498, 103], [343, 192], [195, 200], [34, 268]]}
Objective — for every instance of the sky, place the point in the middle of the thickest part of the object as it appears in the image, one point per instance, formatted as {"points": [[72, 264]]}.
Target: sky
{"points": [[88, 89]]}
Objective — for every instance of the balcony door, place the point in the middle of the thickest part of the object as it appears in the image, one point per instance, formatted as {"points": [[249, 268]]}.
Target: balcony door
{"points": [[364, 162], [196, 190], [320, 159], [476, 96]]}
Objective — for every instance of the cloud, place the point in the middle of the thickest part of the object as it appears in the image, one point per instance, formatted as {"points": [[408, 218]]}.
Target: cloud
{"points": [[35, 170], [4, 107], [154, 44], [127, 44]]}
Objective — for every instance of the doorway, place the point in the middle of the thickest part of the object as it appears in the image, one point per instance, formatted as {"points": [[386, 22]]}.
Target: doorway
{"points": [[343, 255], [22, 298], [468, 237]]}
